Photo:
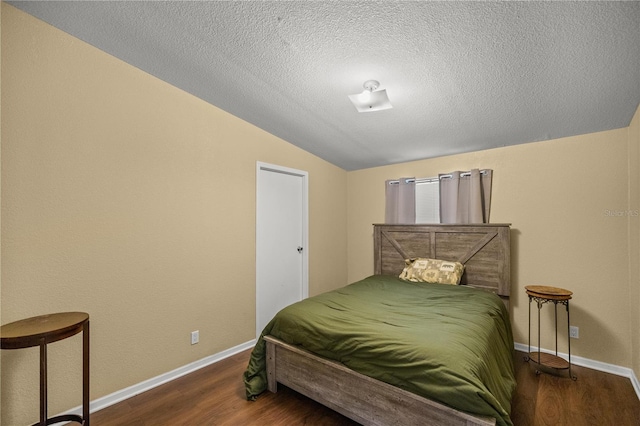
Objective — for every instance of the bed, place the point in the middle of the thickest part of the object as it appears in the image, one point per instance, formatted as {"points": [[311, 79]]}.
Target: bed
{"points": [[387, 351]]}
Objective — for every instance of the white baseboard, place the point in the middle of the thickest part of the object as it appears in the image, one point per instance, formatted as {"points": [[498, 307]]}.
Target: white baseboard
{"points": [[121, 395], [146, 385], [589, 363]]}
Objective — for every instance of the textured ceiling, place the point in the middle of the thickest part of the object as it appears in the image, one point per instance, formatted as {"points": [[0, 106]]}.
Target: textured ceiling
{"points": [[462, 76]]}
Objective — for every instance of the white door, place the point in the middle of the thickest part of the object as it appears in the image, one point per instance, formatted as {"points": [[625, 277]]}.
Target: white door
{"points": [[281, 240]]}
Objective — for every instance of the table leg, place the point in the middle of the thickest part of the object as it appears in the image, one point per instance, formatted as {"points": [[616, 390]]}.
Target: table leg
{"points": [[569, 342], [529, 352], [85, 374], [555, 309], [43, 382], [539, 307]]}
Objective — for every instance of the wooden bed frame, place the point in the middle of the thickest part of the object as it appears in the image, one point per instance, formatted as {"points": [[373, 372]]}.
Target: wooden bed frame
{"points": [[485, 252]]}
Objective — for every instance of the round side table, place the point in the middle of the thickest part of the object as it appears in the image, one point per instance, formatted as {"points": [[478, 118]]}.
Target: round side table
{"points": [[40, 331], [544, 294]]}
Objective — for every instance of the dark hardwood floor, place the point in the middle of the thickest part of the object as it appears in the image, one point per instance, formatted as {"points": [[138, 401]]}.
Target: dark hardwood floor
{"points": [[214, 395]]}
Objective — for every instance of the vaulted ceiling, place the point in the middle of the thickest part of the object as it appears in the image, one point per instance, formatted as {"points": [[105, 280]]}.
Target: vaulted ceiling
{"points": [[461, 76]]}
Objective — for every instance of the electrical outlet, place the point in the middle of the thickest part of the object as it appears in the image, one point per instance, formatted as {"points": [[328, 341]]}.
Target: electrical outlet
{"points": [[574, 332], [195, 337]]}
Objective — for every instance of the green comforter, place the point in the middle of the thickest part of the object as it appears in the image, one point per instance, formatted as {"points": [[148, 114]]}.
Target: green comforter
{"points": [[452, 344]]}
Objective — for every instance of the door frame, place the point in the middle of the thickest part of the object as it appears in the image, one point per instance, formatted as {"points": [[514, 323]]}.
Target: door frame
{"points": [[260, 167]]}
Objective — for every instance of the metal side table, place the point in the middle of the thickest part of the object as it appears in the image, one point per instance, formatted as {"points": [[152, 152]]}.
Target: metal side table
{"points": [[541, 295]]}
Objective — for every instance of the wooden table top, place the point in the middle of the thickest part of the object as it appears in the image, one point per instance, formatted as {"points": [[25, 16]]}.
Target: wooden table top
{"points": [[31, 331], [547, 292]]}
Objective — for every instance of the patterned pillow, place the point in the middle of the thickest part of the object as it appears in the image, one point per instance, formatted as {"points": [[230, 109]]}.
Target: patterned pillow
{"points": [[432, 271]]}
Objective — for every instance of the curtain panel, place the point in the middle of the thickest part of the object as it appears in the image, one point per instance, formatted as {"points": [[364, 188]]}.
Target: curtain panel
{"points": [[400, 201], [465, 197]]}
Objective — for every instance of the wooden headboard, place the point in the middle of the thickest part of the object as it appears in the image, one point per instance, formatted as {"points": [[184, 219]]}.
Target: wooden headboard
{"points": [[484, 249]]}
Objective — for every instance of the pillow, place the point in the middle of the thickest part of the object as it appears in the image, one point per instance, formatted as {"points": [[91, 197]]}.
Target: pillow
{"points": [[432, 271]]}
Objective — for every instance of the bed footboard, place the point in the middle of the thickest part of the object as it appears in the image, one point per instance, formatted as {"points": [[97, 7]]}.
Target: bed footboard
{"points": [[367, 401]]}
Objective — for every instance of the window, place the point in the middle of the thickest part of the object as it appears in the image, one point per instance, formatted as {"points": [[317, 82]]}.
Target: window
{"points": [[428, 200], [457, 197]]}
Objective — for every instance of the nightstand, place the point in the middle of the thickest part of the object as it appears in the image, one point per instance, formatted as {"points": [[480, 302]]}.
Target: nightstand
{"points": [[542, 295], [40, 331]]}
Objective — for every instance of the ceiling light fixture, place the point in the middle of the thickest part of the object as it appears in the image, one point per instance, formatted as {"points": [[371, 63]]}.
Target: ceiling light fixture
{"points": [[371, 99]]}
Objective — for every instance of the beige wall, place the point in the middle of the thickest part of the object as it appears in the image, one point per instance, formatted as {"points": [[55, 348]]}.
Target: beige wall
{"points": [[634, 239], [125, 197], [563, 199]]}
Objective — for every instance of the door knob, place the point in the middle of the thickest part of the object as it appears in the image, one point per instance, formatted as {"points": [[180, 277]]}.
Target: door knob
{"points": [[299, 249]]}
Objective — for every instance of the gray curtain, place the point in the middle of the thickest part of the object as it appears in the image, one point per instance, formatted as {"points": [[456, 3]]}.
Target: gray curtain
{"points": [[465, 197], [400, 201]]}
